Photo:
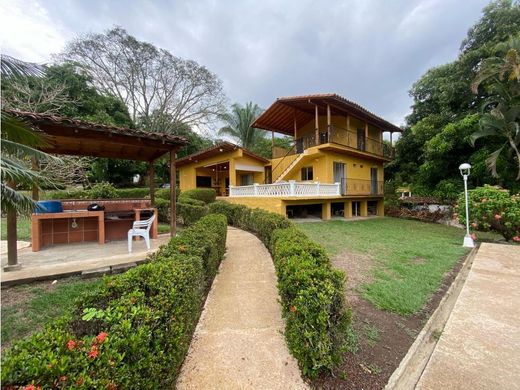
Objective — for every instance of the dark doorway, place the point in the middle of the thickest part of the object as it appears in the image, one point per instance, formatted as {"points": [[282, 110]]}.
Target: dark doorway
{"points": [[340, 176], [304, 211], [338, 209], [372, 207], [373, 181]]}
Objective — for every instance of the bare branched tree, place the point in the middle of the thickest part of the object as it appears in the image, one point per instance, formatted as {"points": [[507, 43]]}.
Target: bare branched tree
{"points": [[152, 82], [68, 170], [35, 95]]}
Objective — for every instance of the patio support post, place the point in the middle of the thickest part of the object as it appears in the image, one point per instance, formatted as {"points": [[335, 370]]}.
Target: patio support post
{"points": [[328, 123], [173, 201], [272, 139], [316, 124], [35, 190], [151, 181], [12, 250]]}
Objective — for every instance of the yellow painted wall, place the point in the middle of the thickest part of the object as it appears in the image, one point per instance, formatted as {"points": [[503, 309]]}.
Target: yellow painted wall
{"points": [[188, 173], [274, 205]]}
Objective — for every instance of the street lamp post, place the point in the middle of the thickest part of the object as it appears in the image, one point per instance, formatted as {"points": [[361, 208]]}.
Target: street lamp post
{"points": [[464, 171]]}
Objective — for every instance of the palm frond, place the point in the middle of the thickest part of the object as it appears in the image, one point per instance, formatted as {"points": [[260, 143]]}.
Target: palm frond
{"points": [[12, 67], [14, 200], [491, 161]]}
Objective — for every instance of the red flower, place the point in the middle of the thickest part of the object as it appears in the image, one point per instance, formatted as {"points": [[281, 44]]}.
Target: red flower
{"points": [[71, 345], [32, 387], [516, 238], [80, 381], [93, 352], [293, 309], [63, 378], [473, 236], [111, 386], [101, 337]]}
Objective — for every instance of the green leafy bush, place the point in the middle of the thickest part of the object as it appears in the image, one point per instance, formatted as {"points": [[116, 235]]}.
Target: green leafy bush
{"points": [[164, 193], [132, 332], [207, 195], [448, 190], [492, 208], [189, 213], [102, 191], [311, 291]]}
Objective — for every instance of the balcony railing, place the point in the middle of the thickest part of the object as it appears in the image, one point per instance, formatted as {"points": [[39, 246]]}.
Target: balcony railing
{"points": [[344, 137], [307, 189], [290, 188]]}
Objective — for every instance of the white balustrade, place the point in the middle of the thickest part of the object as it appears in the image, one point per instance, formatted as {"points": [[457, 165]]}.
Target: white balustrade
{"points": [[290, 188]]}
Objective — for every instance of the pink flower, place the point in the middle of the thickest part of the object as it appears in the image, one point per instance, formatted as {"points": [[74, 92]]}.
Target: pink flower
{"points": [[71, 345], [474, 225], [473, 236], [101, 337], [93, 352], [498, 217], [516, 238]]}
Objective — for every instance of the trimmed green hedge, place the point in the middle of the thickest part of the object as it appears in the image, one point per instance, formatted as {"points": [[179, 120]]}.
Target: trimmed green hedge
{"points": [[311, 291], [207, 195], [132, 332], [102, 191]]}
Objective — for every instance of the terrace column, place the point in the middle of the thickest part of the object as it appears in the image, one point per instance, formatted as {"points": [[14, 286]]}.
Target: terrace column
{"points": [[326, 210], [347, 209], [173, 200]]}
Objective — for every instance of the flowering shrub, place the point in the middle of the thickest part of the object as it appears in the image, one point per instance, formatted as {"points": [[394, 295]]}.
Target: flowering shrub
{"points": [[132, 332], [492, 208], [311, 291]]}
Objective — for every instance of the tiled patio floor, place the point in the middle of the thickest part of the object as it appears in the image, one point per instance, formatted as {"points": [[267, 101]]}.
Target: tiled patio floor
{"points": [[61, 260]]}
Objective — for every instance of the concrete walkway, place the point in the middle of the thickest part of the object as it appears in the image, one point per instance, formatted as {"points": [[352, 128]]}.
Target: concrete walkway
{"points": [[238, 343], [479, 347]]}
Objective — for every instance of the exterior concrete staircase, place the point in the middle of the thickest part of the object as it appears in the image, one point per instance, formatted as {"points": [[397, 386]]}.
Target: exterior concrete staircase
{"points": [[290, 167]]}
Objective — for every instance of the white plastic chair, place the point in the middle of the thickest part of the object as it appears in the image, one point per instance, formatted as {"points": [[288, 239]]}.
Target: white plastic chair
{"points": [[140, 229]]}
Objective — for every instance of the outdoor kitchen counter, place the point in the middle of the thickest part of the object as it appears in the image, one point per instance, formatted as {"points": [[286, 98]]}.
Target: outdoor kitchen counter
{"points": [[54, 228]]}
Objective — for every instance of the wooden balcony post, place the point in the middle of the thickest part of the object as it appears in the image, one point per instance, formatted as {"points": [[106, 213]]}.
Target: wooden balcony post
{"points": [[316, 124], [35, 189], [348, 130], [328, 123], [151, 182]]}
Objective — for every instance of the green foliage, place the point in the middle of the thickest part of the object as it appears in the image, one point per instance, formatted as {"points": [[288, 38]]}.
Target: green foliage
{"points": [[448, 190], [207, 195], [445, 112], [311, 291], [142, 326], [492, 209], [263, 146], [103, 191], [191, 210], [238, 124]]}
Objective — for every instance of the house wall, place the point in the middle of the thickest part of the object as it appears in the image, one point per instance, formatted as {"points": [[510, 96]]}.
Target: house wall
{"points": [[188, 173]]}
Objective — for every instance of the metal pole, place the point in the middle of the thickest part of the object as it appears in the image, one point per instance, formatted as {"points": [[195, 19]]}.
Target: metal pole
{"points": [[467, 206]]}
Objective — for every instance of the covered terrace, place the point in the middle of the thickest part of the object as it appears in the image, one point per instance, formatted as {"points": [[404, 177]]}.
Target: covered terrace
{"points": [[66, 136]]}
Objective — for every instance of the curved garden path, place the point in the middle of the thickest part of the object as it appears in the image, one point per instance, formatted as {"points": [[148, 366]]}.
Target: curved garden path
{"points": [[238, 343]]}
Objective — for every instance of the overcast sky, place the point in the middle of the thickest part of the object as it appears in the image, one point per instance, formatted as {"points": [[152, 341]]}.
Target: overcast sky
{"points": [[369, 51]]}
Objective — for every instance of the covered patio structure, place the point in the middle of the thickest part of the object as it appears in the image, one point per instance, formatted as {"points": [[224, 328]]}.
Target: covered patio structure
{"points": [[65, 136]]}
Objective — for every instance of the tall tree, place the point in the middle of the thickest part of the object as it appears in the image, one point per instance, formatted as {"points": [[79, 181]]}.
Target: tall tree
{"points": [[238, 124], [442, 98], [148, 79], [501, 118]]}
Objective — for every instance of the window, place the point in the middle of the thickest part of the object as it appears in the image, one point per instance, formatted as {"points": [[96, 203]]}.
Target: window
{"points": [[246, 180], [203, 181], [306, 173]]}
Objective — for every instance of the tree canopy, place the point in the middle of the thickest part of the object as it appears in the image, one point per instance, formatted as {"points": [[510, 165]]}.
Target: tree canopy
{"points": [[446, 112]]}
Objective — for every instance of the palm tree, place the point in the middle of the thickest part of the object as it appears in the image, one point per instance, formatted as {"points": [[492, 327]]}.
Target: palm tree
{"points": [[501, 111], [18, 145], [239, 122]]}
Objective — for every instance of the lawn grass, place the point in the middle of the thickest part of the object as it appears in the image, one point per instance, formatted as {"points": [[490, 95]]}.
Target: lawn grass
{"points": [[27, 308], [23, 226], [411, 257]]}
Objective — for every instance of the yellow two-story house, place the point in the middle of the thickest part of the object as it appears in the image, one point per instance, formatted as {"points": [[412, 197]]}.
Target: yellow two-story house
{"points": [[334, 168]]}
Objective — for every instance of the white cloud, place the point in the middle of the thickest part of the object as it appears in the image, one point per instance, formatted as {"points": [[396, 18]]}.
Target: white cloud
{"points": [[29, 32]]}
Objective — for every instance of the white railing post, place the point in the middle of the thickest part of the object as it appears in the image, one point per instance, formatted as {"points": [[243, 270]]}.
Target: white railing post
{"points": [[231, 190], [255, 188], [317, 187], [292, 187], [338, 190]]}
